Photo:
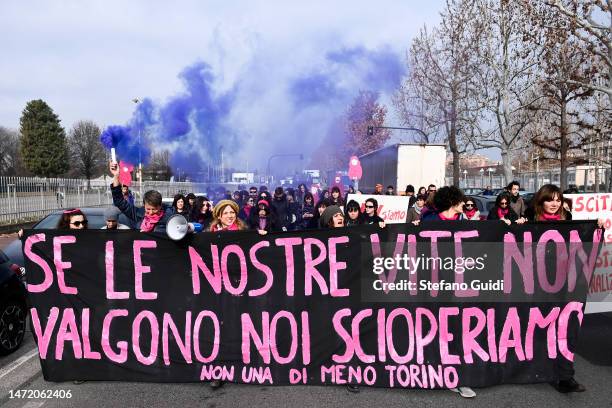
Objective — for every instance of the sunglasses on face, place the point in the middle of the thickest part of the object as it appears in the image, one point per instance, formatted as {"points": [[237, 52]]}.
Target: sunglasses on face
{"points": [[353, 210], [469, 205], [503, 203], [369, 206], [79, 223]]}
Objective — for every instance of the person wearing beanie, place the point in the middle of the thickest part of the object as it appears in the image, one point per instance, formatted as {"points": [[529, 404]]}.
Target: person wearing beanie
{"points": [[261, 218], [225, 217], [332, 217], [111, 217]]}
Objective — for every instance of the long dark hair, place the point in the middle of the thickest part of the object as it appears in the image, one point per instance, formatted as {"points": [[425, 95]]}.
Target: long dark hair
{"points": [[178, 197], [64, 221]]}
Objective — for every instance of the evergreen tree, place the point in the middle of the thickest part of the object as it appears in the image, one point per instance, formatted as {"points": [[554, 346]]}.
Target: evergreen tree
{"points": [[43, 140]]}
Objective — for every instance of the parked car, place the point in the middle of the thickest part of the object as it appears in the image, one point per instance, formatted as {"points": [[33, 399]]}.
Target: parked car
{"points": [[472, 191], [13, 305], [484, 204], [95, 217]]}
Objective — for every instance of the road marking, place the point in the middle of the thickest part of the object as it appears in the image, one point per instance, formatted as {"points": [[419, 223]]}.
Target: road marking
{"points": [[21, 360], [34, 404]]}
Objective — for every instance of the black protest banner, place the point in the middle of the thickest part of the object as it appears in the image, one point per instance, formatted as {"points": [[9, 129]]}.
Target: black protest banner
{"points": [[436, 306]]}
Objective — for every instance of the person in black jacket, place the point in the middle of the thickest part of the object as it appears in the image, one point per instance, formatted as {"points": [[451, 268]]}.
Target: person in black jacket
{"points": [[280, 207], [151, 217], [370, 215], [261, 218], [503, 211], [353, 214]]}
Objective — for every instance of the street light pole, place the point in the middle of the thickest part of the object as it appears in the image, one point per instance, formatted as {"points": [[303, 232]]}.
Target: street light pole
{"points": [[137, 101]]}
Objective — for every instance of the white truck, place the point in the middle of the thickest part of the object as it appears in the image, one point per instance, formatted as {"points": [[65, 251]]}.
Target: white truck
{"points": [[401, 164]]}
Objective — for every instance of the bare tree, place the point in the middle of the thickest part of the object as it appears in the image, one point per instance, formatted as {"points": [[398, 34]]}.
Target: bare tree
{"points": [[508, 75], [565, 67], [87, 153], [9, 152], [159, 166], [440, 95], [590, 22]]}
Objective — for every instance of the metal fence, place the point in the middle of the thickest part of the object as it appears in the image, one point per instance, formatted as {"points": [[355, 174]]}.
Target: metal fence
{"points": [[583, 179], [24, 199]]}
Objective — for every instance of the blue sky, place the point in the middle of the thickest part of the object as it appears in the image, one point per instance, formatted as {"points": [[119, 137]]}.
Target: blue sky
{"points": [[284, 68]]}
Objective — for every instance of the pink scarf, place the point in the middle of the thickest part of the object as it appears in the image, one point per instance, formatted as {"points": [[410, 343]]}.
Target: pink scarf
{"points": [[549, 217], [443, 218], [233, 227], [501, 213], [149, 221], [470, 213]]}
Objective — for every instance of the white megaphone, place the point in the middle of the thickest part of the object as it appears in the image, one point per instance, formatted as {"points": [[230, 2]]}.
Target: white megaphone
{"points": [[177, 227]]}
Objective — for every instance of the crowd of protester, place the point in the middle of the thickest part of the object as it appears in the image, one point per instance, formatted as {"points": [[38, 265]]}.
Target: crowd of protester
{"points": [[299, 209]]}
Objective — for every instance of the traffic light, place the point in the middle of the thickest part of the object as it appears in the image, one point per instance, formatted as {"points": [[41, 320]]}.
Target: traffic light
{"points": [[370, 130]]}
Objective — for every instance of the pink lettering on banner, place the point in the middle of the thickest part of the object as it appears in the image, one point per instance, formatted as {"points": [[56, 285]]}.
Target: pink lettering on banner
{"points": [[536, 319], [491, 335], [198, 264], [136, 330], [68, 331], [121, 356], [141, 269], [310, 272], [366, 358], [433, 236], [376, 253], [423, 340], [294, 337], [262, 344], [196, 336], [459, 277], [60, 266], [382, 335], [289, 243], [395, 356], [524, 261], [87, 352], [335, 266], [109, 262], [344, 335], [470, 344], [445, 336], [560, 256], [261, 267], [27, 250], [44, 337], [227, 282], [588, 263], [568, 310], [305, 338], [183, 344], [511, 336]]}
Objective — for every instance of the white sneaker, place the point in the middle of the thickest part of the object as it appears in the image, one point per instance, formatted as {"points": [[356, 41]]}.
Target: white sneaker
{"points": [[465, 392]]}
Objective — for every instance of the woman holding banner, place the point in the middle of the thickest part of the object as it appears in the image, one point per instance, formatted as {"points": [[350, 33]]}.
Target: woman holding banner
{"points": [[548, 207]]}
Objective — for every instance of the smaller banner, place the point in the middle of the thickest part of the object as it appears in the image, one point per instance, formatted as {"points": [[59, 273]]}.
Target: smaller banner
{"points": [[392, 209], [592, 207]]}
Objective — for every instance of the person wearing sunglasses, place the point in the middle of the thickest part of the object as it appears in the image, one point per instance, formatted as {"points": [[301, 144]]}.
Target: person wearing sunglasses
{"points": [[202, 212], [72, 219], [370, 215], [503, 211], [470, 211]]}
